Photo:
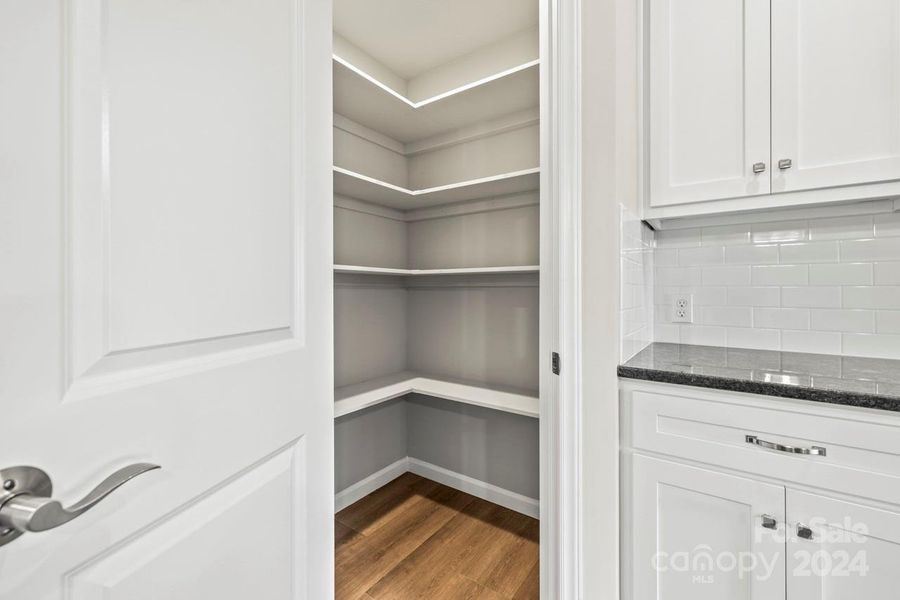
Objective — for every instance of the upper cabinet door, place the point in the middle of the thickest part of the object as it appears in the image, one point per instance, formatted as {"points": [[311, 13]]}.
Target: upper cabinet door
{"points": [[708, 100], [835, 93]]}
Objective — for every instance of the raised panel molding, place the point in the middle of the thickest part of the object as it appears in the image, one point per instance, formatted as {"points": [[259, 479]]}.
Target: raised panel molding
{"points": [[191, 296], [220, 546]]}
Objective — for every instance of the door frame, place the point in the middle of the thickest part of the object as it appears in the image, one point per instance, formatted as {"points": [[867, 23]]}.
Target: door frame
{"points": [[589, 174], [559, 311]]}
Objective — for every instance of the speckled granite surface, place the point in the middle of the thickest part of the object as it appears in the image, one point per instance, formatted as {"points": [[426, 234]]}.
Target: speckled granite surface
{"points": [[847, 380]]}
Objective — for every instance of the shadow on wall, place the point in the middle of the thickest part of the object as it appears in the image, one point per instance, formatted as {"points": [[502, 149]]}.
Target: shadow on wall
{"points": [[498, 448]]}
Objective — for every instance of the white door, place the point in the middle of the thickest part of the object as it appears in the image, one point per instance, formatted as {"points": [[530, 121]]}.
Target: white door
{"points": [[165, 295], [704, 535], [708, 100], [835, 93], [839, 549]]}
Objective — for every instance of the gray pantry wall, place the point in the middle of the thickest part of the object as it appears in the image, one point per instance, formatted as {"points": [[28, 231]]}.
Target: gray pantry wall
{"points": [[491, 446]]}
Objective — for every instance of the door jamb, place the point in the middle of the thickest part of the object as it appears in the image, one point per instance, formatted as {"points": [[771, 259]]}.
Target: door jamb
{"points": [[560, 420]]}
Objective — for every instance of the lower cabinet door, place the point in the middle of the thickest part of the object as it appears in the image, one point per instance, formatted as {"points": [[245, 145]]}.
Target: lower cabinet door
{"points": [[838, 549], [703, 535]]}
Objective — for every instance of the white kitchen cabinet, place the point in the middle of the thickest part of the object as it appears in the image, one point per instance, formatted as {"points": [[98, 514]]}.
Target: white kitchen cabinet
{"points": [[835, 93], [694, 487], [709, 100], [696, 531], [757, 105], [852, 551]]}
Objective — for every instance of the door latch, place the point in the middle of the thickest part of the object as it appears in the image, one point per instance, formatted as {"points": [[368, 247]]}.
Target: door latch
{"points": [[554, 363]]}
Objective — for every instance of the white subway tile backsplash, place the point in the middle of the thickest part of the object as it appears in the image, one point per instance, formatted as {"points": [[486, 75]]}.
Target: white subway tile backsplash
{"points": [[702, 335], [758, 254], [668, 332], [887, 321], [780, 231], [709, 296], [851, 321], [820, 342], [841, 274], [809, 252], [781, 318], [726, 235], [829, 285], [758, 339], [872, 297], [753, 296], [677, 238], [665, 257], [726, 275], [811, 297], [727, 316], [870, 250], [779, 274], [887, 273], [678, 276], [872, 345], [841, 228], [661, 293], [888, 225], [636, 285], [704, 255]]}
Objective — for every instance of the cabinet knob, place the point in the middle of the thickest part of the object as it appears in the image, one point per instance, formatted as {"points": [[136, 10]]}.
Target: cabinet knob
{"points": [[769, 522], [804, 532], [759, 167], [785, 163]]}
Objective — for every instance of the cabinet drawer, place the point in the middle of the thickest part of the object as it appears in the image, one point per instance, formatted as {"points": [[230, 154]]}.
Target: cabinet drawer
{"points": [[859, 455]]}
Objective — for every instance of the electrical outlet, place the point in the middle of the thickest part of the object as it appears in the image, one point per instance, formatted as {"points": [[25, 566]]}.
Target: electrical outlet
{"points": [[683, 309]]}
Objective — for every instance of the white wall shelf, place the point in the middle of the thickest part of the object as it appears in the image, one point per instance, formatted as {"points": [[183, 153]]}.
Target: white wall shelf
{"points": [[355, 185], [362, 98], [353, 398], [424, 272]]}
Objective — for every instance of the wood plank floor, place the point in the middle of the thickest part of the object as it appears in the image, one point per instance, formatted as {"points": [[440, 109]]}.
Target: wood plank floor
{"points": [[415, 538]]}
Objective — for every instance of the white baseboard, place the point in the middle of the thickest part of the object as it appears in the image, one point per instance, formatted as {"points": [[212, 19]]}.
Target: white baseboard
{"points": [[360, 489], [479, 489]]}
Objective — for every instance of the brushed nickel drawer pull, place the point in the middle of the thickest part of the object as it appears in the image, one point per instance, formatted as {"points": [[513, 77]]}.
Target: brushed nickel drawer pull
{"points": [[811, 451]]}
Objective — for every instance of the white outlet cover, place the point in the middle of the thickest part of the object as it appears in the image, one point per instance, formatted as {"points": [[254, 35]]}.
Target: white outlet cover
{"points": [[682, 308]]}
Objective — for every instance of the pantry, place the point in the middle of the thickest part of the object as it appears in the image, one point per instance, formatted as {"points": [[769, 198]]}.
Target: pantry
{"points": [[436, 247]]}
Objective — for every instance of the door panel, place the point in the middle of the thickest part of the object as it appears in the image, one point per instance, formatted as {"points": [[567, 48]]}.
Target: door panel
{"points": [[693, 529], [172, 212], [165, 240], [853, 552], [835, 106], [199, 553], [709, 99]]}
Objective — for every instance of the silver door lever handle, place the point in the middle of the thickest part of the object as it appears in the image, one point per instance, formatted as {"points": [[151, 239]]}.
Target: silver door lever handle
{"points": [[26, 503]]}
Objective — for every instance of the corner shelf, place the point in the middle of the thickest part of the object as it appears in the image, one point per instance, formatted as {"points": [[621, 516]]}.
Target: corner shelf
{"points": [[353, 398], [425, 272], [362, 98], [355, 185]]}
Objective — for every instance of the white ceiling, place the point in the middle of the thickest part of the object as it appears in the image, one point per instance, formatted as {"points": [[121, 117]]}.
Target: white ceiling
{"points": [[413, 36]]}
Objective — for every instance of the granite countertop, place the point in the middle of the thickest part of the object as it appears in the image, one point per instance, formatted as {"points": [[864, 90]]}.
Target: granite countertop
{"points": [[847, 380]]}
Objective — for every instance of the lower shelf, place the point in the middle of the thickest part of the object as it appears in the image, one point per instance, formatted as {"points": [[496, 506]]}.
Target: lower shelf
{"points": [[426, 272], [352, 398]]}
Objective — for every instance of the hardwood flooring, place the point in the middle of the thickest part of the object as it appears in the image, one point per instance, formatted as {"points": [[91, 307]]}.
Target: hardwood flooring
{"points": [[415, 538]]}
